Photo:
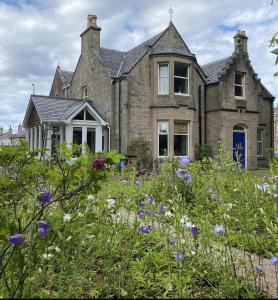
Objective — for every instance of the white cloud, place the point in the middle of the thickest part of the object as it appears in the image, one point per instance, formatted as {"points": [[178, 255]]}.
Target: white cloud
{"points": [[36, 34]]}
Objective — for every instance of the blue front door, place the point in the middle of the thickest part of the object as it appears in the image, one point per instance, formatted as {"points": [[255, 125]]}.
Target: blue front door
{"points": [[239, 147]]}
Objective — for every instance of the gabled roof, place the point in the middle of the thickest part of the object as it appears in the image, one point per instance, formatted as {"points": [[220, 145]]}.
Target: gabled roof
{"points": [[58, 110], [66, 77], [119, 62], [214, 69]]}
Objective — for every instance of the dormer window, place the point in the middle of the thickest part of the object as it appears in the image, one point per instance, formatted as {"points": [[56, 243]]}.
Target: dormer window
{"points": [[163, 79], [181, 76], [84, 92], [239, 85]]}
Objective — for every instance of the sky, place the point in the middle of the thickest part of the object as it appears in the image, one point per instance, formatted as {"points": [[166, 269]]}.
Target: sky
{"points": [[36, 34]]}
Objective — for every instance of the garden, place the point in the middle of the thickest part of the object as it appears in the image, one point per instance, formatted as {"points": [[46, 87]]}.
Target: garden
{"points": [[80, 229]]}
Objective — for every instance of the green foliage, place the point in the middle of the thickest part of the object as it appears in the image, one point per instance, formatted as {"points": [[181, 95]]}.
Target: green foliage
{"points": [[203, 151]]}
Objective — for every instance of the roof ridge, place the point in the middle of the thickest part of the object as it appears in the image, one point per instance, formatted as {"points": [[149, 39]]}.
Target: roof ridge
{"points": [[60, 98], [113, 50], [218, 60]]}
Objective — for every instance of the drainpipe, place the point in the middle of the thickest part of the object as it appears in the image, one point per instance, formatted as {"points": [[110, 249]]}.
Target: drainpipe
{"points": [[271, 128], [205, 111], [120, 137], [200, 115], [108, 126]]}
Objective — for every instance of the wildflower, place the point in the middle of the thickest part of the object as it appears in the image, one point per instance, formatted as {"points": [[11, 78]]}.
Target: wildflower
{"points": [[146, 229], [194, 231], [68, 238], [155, 214], [180, 173], [67, 217], [184, 160], [274, 260], [179, 257], [45, 197], [186, 222], [136, 181], [213, 196], [171, 242], [262, 186], [110, 202], [43, 228], [90, 197], [258, 269], [141, 214], [163, 207], [168, 214], [124, 181], [151, 200], [187, 178], [16, 239], [141, 203], [219, 229], [99, 163], [47, 256]]}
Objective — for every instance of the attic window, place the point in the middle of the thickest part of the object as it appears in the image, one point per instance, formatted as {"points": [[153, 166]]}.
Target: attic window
{"points": [[84, 115], [84, 92], [239, 85], [181, 82]]}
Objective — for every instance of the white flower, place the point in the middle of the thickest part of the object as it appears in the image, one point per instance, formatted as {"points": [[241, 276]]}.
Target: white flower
{"points": [[230, 206], [124, 181], [168, 214], [47, 256], [90, 197], [57, 249], [184, 219], [68, 238], [110, 202], [39, 269], [67, 217], [189, 224]]}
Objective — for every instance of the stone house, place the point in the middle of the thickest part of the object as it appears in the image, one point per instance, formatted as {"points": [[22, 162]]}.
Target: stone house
{"points": [[158, 91], [276, 130], [12, 139]]}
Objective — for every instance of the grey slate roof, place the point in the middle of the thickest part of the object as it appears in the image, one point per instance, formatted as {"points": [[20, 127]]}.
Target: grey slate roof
{"points": [[214, 68], [171, 50], [52, 109], [66, 77]]}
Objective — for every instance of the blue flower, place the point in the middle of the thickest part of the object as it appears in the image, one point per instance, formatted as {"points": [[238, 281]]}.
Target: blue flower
{"points": [[274, 260], [163, 207], [194, 231], [145, 229], [16, 239], [45, 197], [141, 214], [136, 181], [171, 242], [141, 203], [219, 229], [180, 173], [258, 269], [184, 160], [43, 228], [151, 200], [187, 178], [179, 257]]}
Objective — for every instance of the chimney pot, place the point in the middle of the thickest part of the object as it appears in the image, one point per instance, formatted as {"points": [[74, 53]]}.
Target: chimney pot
{"points": [[92, 21]]}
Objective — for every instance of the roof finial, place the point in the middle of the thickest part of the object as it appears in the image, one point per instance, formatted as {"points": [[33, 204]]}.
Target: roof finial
{"points": [[171, 12]]}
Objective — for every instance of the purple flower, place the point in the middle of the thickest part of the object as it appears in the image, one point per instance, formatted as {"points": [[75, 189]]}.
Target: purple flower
{"points": [[45, 198], [99, 163], [136, 181], [43, 228], [145, 229], [213, 196], [151, 200], [187, 178], [219, 229], [141, 214], [274, 260], [194, 231], [16, 239], [180, 173], [258, 269], [179, 257], [171, 242], [163, 207], [141, 203], [155, 214], [184, 160]]}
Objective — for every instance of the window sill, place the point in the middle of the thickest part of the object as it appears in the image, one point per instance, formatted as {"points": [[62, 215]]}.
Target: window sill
{"points": [[261, 158], [183, 95], [240, 98]]}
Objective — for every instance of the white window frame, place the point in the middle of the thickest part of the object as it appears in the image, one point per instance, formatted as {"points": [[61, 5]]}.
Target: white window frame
{"points": [[184, 78], [188, 132], [158, 135], [241, 85], [159, 77], [84, 95], [260, 142]]}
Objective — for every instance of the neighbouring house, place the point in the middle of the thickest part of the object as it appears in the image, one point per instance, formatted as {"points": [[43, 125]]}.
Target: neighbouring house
{"points": [[158, 90], [12, 139], [276, 130]]}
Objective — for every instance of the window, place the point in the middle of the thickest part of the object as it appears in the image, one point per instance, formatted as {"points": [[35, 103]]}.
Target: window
{"points": [[181, 82], [84, 92], [180, 138], [239, 85], [163, 79], [260, 141], [163, 132], [84, 115]]}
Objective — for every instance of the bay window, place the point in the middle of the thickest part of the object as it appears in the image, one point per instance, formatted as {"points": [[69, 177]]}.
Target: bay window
{"points": [[181, 82], [180, 138]]}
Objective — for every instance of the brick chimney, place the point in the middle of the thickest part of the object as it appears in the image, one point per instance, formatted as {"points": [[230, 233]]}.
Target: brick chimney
{"points": [[90, 38], [240, 41]]}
